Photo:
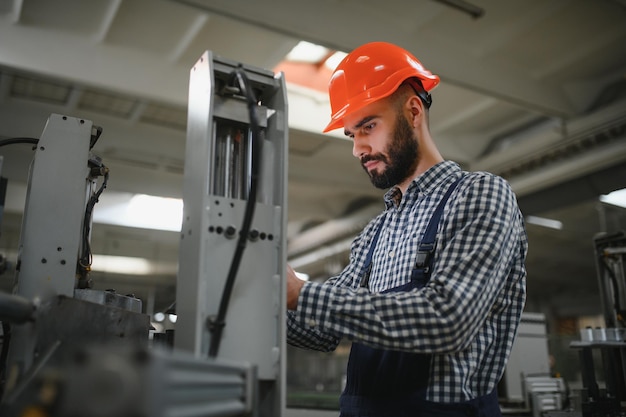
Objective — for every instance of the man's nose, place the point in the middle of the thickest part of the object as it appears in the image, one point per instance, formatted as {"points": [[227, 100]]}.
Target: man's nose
{"points": [[360, 146]]}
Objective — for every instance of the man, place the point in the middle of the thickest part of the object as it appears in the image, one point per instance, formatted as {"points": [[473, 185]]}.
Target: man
{"points": [[431, 329]]}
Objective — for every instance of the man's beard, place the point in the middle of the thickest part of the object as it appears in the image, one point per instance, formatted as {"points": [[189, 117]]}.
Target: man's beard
{"points": [[402, 156]]}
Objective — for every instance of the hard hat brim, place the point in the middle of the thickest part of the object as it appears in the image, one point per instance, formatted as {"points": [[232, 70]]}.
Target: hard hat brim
{"points": [[336, 120]]}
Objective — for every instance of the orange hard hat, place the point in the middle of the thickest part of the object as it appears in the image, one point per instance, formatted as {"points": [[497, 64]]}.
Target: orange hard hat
{"points": [[369, 73]]}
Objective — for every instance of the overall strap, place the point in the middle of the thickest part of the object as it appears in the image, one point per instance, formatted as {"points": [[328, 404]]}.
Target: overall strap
{"points": [[428, 243], [365, 278]]}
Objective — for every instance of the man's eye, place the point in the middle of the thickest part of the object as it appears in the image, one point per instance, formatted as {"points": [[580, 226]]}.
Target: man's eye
{"points": [[369, 126]]}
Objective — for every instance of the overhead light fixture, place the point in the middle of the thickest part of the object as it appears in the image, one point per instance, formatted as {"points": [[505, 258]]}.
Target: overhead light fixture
{"points": [[543, 222], [308, 52], [302, 276], [315, 54], [121, 265], [617, 198], [131, 265], [155, 212], [139, 210], [334, 60]]}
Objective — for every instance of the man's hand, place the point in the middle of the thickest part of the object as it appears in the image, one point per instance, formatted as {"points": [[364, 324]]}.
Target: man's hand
{"points": [[294, 284]]}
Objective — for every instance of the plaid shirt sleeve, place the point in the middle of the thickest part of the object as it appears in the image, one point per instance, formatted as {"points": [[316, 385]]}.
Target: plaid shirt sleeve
{"points": [[481, 243], [301, 330]]}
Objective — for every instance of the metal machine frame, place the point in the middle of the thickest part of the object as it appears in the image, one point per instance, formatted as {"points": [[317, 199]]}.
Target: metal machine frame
{"points": [[219, 169], [52, 225], [609, 400], [75, 351]]}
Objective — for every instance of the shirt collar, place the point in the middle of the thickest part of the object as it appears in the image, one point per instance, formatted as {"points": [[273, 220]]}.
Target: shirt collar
{"points": [[424, 183]]}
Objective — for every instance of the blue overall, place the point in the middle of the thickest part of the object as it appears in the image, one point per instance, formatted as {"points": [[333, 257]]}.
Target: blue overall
{"points": [[386, 383]]}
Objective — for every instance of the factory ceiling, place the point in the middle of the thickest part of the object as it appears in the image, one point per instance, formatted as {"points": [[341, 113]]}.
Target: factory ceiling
{"points": [[534, 91]]}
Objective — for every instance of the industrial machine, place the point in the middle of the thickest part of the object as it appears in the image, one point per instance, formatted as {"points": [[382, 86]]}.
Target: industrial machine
{"points": [[602, 350], [528, 387], [235, 310], [610, 342], [69, 350]]}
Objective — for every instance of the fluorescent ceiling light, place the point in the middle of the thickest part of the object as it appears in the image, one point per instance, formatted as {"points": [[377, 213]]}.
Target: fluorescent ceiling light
{"points": [[543, 222], [302, 276], [132, 265], [307, 52], [139, 210], [121, 265], [617, 198], [335, 59], [315, 54]]}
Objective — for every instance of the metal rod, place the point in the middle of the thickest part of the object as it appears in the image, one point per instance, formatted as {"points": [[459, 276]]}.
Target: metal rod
{"points": [[465, 7]]}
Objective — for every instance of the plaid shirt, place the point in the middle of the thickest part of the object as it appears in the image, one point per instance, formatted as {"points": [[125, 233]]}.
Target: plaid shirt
{"points": [[468, 313]]}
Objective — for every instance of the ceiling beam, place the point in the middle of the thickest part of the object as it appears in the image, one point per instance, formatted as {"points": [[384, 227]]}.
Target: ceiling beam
{"points": [[500, 80]]}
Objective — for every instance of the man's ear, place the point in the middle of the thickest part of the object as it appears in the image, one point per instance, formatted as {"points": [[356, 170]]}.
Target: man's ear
{"points": [[416, 110]]}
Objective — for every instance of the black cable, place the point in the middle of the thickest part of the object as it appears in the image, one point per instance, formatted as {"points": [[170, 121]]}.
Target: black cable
{"points": [[4, 352], [13, 141], [84, 262], [97, 131], [217, 324], [95, 135]]}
